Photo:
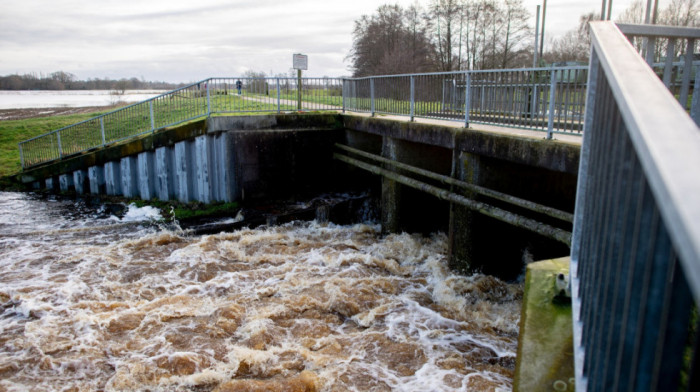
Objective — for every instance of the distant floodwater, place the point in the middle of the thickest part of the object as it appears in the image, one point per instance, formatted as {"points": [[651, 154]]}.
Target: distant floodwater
{"points": [[69, 98]]}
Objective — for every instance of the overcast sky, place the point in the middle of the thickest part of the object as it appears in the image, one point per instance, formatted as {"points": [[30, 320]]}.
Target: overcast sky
{"points": [[182, 41]]}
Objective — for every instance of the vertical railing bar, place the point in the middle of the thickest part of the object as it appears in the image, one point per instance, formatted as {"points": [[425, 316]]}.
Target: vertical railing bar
{"points": [[687, 70], [650, 51], [695, 102], [467, 103], [552, 95], [153, 120], [668, 66], [208, 97], [371, 96], [412, 105], [278, 96], [60, 149], [21, 155]]}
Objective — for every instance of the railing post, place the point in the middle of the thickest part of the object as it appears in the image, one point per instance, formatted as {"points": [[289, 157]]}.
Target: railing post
{"points": [[695, 102], [208, 97], [442, 104], [153, 121], [60, 148], [102, 131], [342, 92], [467, 104], [413, 98], [299, 89], [21, 155], [533, 99], [371, 96], [552, 96], [278, 95], [687, 69]]}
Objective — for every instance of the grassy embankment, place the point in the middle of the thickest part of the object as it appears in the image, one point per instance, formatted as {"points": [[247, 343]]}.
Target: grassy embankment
{"points": [[14, 131]]}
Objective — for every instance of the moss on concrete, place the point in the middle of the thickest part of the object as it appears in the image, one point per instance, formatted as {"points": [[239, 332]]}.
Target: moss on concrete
{"points": [[545, 359]]}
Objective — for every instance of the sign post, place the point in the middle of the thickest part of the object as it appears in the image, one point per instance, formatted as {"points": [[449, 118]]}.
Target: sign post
{"points": [[300, 62]]}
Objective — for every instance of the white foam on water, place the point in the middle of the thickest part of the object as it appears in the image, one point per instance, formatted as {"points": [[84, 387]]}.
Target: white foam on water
{"points": [[140, 214], [323, 307]]}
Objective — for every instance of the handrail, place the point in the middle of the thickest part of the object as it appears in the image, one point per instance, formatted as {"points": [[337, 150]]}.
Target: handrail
{"points": [[635, 258]]}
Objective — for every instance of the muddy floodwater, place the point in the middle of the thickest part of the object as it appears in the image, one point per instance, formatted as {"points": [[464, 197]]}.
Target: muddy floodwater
{"points": [[94, 299]]}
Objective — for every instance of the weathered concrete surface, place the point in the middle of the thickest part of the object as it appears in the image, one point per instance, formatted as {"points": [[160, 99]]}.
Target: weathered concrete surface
{"points": [[165, 173], [545, 344], [113, 178], [146, 175], [263, 162], [66, 182], [184, 171], [538, 170], [165, 137], [546, 154], [97, 180]]}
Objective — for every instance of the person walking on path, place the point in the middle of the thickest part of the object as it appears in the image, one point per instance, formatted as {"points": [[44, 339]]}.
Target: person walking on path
{"points": [[239, 86]]}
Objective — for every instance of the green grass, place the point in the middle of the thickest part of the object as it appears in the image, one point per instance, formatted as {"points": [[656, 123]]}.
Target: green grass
{"points": [[14, 131]]}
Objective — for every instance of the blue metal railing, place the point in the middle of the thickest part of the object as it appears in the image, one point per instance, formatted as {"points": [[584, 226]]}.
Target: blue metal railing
{"points": [[545, 99], [205, 98], [635, 258]]}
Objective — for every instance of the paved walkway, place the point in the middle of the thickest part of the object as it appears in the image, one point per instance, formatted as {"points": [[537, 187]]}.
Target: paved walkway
{"points": [[565, 138], [571, 139]]}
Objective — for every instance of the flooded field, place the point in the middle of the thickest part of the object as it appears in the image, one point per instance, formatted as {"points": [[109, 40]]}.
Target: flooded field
{"points": [[92, 300]]}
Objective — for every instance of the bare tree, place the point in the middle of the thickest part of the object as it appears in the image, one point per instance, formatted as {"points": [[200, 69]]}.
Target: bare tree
{"points": [[445, 15], [391, 41], [575, 44], [517, 31]]}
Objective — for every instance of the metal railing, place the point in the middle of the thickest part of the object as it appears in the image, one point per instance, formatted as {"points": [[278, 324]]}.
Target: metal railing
{"points": [[546, 99], [635, 257], [660, 46], [208, 97]]}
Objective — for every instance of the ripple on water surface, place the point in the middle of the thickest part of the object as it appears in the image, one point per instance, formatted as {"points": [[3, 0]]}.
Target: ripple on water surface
{"points": [[298, 307]]}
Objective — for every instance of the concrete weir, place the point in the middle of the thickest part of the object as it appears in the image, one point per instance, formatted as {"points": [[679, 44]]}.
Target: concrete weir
{"points": [[472, 176], [220, 159]]}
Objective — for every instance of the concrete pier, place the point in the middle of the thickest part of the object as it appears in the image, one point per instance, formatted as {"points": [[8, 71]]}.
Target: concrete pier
{"points": [[80, 181], [129, 177], [165, 174], [96, 174], [146, 175], [66, 182], [203, 163], [184, 172], [113, 178]]}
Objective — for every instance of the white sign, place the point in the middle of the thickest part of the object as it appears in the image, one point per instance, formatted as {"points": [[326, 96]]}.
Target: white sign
{"points": [[300, 61]]}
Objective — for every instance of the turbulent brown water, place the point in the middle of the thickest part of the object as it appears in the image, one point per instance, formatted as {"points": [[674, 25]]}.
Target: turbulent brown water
{"points": [[91, 302]]}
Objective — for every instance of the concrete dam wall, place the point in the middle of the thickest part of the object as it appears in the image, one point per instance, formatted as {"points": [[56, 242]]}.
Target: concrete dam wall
{"points": [[242, 158]]}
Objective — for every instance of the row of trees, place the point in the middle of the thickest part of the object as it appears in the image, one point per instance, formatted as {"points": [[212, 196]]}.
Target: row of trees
{"points": [[575, 44], [447, 35], [66, 81], [450, 35]]}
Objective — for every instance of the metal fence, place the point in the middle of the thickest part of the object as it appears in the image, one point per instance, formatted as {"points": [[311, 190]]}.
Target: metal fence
{"points": [[660, 46], [208, 97], [547, 99], [635, 258]]}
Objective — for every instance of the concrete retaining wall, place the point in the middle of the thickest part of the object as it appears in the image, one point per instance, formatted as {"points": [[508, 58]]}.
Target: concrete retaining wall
{"points": [[223, 159]]}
